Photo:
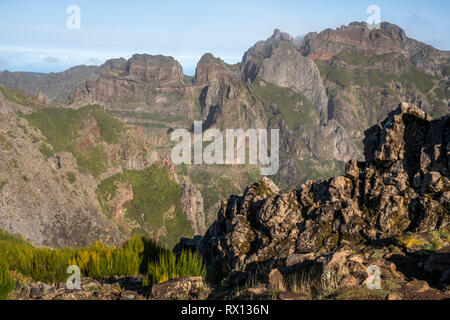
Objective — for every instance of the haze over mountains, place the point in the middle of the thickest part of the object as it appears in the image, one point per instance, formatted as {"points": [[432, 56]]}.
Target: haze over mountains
{"points": [[322, 92]]}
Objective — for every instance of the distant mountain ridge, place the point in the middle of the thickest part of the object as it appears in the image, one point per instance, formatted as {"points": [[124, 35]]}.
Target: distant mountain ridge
{"points": [[322, 92]]}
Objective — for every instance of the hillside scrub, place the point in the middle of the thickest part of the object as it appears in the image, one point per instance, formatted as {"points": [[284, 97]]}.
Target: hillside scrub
{"points": [[61, 127], [155, 194], [139, 256], [6, 282]]}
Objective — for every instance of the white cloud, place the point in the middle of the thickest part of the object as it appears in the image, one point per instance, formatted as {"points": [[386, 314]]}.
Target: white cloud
{"points": [[50, 59]]}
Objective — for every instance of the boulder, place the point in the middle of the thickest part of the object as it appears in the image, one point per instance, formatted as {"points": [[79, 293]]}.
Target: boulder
{"points": [[276, 279], [180, 288]]}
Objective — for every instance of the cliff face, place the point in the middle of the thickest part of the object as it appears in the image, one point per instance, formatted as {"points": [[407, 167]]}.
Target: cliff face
{"points": [[277, 61], [131, 80], [276, 64], [210, 68], [403, 186]]}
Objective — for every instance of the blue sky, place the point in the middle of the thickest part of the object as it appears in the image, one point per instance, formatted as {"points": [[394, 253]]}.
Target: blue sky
{"points": [[34, 35]]}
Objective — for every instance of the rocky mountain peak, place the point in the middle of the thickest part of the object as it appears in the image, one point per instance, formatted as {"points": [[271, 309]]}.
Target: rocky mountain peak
{"points": [[209, 67], [277, 61], [388, 39], [114, 64], [128, 80], [391, 30], [281, 36], [162, 71], [264, 49]]}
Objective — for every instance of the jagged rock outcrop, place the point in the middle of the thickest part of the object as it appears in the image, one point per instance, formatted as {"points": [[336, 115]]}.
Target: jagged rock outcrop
{"points": [[217, 80], [210, 67], [276, 60], [131, 80], [159, 71], [402, 186], [192, 203]]}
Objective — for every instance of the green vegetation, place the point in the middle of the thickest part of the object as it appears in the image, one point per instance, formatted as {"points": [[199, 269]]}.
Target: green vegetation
{"points": [[61, 128], [14, 239], [147, 116], [432, 241], [71, 177], [359, 76], [6, 282], [168, 266], [137, 256], [107, 190], [295, 108], [439, 93], [156, 194], [263, 189], [17, 96], [368, 59], [4, 143], [360, 292], [151, 125], [92, 160], [373, 78], [357, 58], [311, 282], [414, 78], [422, 81], [156, 199], [438, 240], [233, 67], [446, 70], [110, 127], [337, 75], [3, 183], [317, 170], [217, 186], [46, 150]]}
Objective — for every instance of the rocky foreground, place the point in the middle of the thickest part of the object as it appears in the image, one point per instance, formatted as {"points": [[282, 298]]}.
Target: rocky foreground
{"points": [[391, 211]]}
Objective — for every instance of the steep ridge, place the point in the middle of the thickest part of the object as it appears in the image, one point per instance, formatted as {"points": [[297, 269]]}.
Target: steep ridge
{"points": [[57, 86]]}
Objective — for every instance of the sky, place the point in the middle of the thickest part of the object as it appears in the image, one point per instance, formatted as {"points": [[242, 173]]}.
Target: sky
{"points": [[34, 35]]}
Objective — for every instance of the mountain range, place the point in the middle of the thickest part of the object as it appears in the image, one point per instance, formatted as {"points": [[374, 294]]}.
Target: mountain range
{"points": [[85, 153]]}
